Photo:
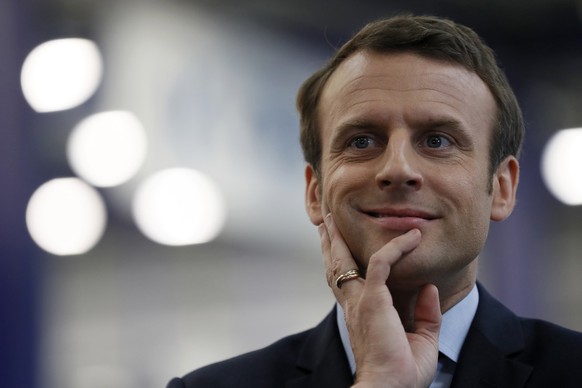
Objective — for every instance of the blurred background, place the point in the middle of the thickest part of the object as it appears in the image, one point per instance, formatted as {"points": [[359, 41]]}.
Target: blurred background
{"points": [[152, 214]]}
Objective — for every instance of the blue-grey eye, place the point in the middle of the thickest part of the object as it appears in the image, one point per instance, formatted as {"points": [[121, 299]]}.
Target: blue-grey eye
{"points": [[437, 141], [361, 142]]}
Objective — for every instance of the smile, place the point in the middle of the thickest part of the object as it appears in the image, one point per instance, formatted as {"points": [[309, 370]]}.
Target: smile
{"points": [[400, 219], [401, 214]]}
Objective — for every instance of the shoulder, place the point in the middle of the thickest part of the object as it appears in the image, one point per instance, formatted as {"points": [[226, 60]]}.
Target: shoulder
{"points": [[291, 358], [554, 352], [267, 367], [548, 340], [259, 365], [549, 351], [263, 367], [501, 325]]}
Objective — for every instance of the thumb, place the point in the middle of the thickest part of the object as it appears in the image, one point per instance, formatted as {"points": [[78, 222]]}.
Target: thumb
{"points": [[427, 313], [424, 341]]}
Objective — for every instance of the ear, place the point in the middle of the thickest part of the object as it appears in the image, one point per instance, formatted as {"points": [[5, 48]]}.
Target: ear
{"points": [[505, 182], [312, 196]]}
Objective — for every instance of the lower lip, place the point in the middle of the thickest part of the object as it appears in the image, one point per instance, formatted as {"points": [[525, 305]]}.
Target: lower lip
{"points": [[400, 223]]}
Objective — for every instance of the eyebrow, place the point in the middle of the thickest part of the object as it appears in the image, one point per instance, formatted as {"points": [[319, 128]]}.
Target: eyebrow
{"points": [[452, 125], [431, 123], [346, 129], [359, 124], [448, 122]]}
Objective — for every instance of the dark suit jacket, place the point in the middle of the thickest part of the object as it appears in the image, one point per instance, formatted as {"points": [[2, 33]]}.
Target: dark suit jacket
{"points": [[501, 350]]}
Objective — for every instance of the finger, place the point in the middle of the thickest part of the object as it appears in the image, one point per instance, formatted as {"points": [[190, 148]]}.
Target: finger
{"points": [[427, 314], [337, 256], [325, 251], [382, 261], [332, 266], [425, 341]]}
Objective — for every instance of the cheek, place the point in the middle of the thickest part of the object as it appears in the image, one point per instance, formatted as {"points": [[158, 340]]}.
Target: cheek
{"points": [[463, 186], [342, 184], [333, 185], [474, 206], [468, 205]]}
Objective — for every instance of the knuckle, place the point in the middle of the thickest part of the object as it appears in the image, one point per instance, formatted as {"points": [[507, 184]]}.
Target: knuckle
{"points": [[334, 270], [330, 277], [376, 258]]}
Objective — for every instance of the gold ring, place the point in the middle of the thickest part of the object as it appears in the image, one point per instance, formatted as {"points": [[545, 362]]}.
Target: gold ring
{"points": [[346, 276]]}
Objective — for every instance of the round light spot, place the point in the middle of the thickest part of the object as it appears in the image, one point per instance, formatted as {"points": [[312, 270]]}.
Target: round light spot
{"points": [[562, 166], [179, 206], [66, 216], [61, 74], [107, 149]]}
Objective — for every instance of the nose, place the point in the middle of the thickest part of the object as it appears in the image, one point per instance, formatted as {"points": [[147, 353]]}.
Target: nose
{"points": [[399, 165]]}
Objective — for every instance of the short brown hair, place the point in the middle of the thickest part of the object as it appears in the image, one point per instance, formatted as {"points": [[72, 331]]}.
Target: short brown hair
{"points": [[432, 37]]}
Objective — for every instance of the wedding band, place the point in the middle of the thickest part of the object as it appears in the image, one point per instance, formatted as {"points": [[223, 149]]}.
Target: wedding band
{"points": [[346, 276]]}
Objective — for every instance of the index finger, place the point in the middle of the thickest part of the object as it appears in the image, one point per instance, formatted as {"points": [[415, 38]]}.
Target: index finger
{"points": [[381, 262]]}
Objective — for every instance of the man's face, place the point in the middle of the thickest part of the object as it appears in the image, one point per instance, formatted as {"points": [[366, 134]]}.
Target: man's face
{"points": [[405, 144]]}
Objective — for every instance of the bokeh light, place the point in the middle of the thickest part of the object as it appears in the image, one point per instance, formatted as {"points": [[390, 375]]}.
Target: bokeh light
{"points": [[66, 216], [61, 74], [562, 166], [179, 206], [107, 149]]}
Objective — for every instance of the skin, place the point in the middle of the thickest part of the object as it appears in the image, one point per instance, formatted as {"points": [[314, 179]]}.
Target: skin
{"points": [[404, 193]]}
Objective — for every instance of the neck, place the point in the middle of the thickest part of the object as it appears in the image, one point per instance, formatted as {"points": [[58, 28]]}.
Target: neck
{"points": [[404, 302], [450, 293]]}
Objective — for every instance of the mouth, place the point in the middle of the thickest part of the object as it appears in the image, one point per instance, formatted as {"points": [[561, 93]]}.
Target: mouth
{"points": [[400, 213], [400, 219]]}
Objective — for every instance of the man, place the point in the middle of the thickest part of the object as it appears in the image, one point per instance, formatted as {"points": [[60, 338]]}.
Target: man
{"points": [[411, 135]]}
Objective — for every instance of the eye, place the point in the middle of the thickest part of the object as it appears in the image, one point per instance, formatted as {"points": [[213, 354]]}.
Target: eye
{"points": [[437, 141], [362, 142]]}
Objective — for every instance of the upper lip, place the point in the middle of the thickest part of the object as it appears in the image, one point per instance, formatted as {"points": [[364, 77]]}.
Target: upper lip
{"points": [[399, 212]]}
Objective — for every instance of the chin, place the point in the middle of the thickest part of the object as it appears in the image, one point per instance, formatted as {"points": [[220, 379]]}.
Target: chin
{"points": [[412, 271]]}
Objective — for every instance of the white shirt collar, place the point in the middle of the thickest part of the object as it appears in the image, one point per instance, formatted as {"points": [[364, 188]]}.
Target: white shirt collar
{"points": [[454, 328]]}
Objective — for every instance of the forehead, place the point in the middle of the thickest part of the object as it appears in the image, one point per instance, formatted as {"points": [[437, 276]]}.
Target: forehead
{"points": [[405, 83]]}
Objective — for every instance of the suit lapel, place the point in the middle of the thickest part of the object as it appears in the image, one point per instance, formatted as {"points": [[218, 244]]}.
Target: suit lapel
{"points": [[322, 358], [485, 360]]}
